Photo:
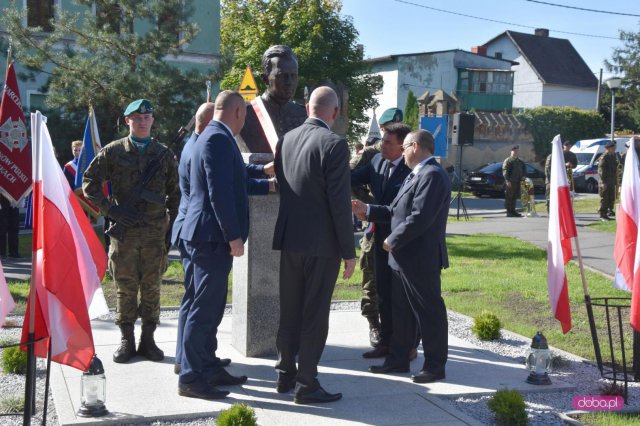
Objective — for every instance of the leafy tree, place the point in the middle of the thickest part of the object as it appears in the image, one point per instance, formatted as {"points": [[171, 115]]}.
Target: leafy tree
{"points": [[571, 123], [324, 42], [624, 61], [411, 111], [100, 59]]}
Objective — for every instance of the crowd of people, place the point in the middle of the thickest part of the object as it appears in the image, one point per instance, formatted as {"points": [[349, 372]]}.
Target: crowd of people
{"points": [[202, 204]]}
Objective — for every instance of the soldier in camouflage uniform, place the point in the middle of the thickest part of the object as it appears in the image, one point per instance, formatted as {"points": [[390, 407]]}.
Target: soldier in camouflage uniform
{"points": [[369, 301], [607, 170], [135, 261], [513, 170]]}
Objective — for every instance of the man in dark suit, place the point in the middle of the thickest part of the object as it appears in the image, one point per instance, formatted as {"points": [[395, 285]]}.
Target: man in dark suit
{"points": [[214, 229], [255, 186], [385, 174], [313, 231], [417, 249]]}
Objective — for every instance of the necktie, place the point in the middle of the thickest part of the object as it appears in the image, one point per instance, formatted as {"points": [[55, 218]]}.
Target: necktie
{"points": [[387, 171]]}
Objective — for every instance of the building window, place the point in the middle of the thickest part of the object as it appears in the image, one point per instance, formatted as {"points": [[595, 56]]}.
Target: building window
{"points": [[498, 55], [109, 17], [40, 14]]}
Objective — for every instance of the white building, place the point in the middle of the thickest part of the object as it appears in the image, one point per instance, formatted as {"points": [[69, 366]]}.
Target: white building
{"points": [[550, 72]]}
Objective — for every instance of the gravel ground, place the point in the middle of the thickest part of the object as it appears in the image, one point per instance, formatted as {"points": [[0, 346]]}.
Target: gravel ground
{"points": [[543, 408]]}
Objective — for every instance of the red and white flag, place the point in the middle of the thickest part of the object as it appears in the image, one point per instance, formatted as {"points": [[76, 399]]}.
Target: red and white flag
{"points": [[626, 247], [6, 301], [70, 262], [562, 227], [15, 153]]}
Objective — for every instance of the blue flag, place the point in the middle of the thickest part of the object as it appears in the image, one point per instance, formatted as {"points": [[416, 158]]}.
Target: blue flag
{"points": [[90, 146]]}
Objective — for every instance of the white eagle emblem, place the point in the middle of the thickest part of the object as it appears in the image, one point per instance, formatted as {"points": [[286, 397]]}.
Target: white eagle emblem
{"points": [[13, 134]]}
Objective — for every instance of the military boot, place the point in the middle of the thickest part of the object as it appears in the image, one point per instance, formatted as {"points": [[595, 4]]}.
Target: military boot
{"points": [[127, 348], [147, 347], [374, 330]]}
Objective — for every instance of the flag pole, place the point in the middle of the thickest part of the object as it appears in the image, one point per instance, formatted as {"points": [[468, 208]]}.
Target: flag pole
{"points": [[587, 302], [36, 147], [9, 53]]}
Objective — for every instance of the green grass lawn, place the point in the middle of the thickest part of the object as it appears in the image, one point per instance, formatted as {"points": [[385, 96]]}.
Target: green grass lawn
{"points": [[586, 205], [609, 226], [609, 419], [508, 277]]}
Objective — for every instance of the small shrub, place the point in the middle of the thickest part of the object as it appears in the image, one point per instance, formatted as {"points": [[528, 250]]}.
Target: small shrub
{"points": [[558, 361], [486, 326], [12, 405], [13, 360], [237, 415], [509, 407]]}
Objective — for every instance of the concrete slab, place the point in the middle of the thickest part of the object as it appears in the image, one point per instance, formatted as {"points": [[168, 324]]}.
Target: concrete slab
{"points": [[143, 391]]}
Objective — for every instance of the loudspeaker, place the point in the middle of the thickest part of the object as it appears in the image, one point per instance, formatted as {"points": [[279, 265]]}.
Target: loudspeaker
{"points": [[462, 131]]}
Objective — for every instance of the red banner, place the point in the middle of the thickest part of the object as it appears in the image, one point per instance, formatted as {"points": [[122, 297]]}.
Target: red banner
{"points": [[15, 148]]}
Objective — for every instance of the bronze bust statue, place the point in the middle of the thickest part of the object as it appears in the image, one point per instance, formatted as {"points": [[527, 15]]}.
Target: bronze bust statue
{"points": [[274, 113]]}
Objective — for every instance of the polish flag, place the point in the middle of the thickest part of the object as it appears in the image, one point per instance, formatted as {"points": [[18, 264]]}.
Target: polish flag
{"points": [[562, 227], [6, 301], [70, 262], [626, 248]]}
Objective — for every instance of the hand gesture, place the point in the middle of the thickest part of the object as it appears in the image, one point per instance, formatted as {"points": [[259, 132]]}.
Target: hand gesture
{"points": [[349, 267], [269, 169], [359, 209]]}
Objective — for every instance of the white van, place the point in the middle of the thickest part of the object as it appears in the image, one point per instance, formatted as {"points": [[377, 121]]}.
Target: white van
{"points": [[588, 151]]}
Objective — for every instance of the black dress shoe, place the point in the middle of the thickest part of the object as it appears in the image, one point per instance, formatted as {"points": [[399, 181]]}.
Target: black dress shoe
{"points": [[284, 385], [201, 392], [223, 378], [318, 396], [224, 362], [377, 352], [388, 368], [427, 377]]}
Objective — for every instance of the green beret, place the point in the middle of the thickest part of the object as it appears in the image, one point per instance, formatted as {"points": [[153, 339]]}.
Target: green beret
{"points": [[515, 147], [391, 115], [142, 106], [610, 144]]}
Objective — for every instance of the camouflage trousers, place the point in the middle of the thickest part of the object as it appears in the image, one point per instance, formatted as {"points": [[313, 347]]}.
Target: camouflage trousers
{"points": [[369, 302], [510, 196], [136, 266], [607, 199]]}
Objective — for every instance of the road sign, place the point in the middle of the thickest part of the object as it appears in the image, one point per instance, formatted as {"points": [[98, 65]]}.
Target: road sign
{"points": [[439, 128], [248, 87]]}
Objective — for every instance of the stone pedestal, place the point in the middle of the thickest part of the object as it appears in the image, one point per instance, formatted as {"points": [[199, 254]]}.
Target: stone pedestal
{"points": [[256, 305]]}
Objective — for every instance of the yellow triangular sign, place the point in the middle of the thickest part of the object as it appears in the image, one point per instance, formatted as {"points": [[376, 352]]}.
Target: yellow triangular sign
{"points": [[248, 88]]}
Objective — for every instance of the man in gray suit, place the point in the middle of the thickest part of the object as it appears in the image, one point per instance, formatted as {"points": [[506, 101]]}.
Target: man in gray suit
{"points": [[313, 231], [418, 250]]}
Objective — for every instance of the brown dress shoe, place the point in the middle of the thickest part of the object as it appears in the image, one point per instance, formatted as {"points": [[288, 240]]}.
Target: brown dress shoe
{"points": [[377, 352]]}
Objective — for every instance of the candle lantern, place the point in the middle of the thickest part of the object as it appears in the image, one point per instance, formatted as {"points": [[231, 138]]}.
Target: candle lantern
{"points": [[93, 387], [539, 361]]}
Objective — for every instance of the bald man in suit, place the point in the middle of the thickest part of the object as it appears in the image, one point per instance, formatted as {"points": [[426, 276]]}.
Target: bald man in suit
{"points": [[313, 232]]}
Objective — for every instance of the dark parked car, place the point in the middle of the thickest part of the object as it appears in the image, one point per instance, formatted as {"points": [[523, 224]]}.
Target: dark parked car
{"points": [[488, 180]]}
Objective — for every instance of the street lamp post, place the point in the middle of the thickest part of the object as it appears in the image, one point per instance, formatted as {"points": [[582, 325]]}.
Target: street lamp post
{"points": [[613, 83]]}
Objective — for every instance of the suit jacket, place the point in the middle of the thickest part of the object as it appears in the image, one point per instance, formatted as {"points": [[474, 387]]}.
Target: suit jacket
{"points": [[418, 218], [218, 206], [312, 167], [183, 181], [373, 174]]}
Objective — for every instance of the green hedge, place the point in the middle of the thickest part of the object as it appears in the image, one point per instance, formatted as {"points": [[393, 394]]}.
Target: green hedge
{"points": [[571, 123]]}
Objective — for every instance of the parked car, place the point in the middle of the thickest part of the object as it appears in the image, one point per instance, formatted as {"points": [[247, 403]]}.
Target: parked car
{"points": [[488, 180]]}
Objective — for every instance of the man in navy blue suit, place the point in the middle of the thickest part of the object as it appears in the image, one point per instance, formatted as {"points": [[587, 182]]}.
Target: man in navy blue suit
{"points": [[385, 174], [215, 227], [417, 247], [255, 187]]}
